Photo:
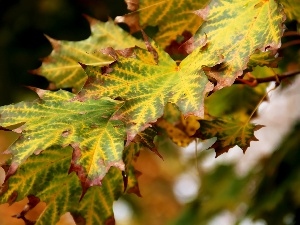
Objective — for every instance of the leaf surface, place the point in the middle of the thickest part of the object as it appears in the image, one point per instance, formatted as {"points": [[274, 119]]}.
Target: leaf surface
{"points": [[62, 66], [173, 17], [236, 29], [147, 79], [291, 9], [46, 177], [59, 118], [229, 131]]}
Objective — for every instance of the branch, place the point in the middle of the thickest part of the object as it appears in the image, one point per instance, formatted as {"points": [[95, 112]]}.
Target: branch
{"points": [[255, 81], [290, 43]]}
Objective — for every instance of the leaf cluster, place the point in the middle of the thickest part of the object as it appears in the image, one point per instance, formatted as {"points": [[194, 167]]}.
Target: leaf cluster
{"points": [[127, 91]]}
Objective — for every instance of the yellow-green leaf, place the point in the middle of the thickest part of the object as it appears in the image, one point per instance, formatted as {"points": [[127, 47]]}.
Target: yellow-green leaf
{"points": [[61, 118], [267, 58], [62, 66], [291, 9], [172, 17], [147, 79], [46, 177], [229, 131], [236, 29]]}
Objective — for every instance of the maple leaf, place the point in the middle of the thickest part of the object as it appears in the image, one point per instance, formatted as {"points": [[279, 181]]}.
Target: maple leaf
{"points": [[268, 58], [177, 135], [146, 80], [291, 9], [229, 131], [46, 177], [236, 29], [173, 17], [60, 118], [62, 67]]}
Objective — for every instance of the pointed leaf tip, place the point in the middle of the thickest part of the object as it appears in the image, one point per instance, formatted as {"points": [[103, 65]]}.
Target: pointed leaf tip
{"points": [[229, 132]]}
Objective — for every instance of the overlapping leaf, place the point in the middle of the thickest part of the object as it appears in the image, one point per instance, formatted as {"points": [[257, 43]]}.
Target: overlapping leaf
{"points": [[147, 79], [229, 131], [46, 177], [59, 118], [172, 17], [62, 67], [291, 9], [236, 29]]}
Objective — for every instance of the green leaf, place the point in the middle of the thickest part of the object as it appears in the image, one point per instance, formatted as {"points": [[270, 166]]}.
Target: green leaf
{"points": [[229, 131], [267, 58], [237, 29], [147, 79], [173, 17], [291, 9], [46, 177], [62, 118], [62, 66]]}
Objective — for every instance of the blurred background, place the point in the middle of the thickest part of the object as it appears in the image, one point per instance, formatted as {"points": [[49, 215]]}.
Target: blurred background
{"points": [[259, 187]]}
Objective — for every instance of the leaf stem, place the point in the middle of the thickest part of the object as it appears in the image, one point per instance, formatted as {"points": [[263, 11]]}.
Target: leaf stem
{"points": [[291, 33], [277, 78], [290, 43], [196, 157], [258, 104]]}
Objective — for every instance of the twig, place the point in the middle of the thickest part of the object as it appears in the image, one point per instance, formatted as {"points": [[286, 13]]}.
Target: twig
{"points": [[291, 33], [253, 82], [290, 43]]}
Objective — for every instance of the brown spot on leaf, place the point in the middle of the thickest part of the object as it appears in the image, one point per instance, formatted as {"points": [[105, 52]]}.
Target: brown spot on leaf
{"points": [[18, 130], [177, 47], [82, 65], [132, 20], [56, 45], [193, 43], [12, 169], [110, 221], [203, 13], [78, 219], [127, 52], [150, 47], [106, 70], [52, 86], [110, 52], [65, 133], [12, 198], [132, 5]]}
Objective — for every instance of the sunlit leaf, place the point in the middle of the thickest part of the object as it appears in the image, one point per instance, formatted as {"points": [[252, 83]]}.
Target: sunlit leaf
{"points": [[46, 177], [267, 58], [62, 66], [59, 118], [291, 9], [229, 132], [236, 29], [173, 17], [147, 79], [178, 136]]}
